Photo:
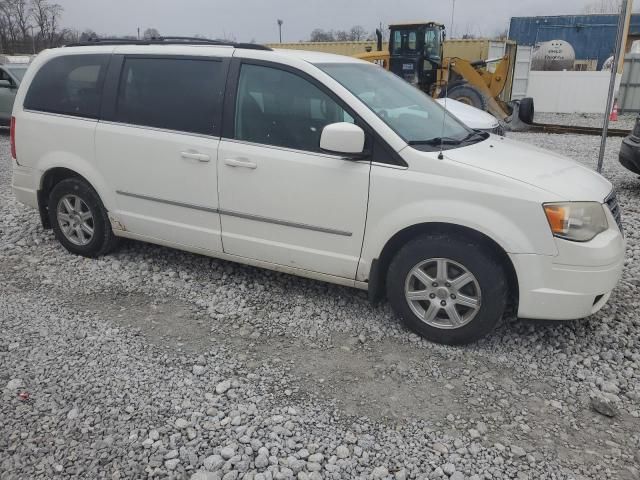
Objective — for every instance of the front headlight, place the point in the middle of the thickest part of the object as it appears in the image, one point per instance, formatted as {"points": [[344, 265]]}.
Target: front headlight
{"points": [[577, 221]]}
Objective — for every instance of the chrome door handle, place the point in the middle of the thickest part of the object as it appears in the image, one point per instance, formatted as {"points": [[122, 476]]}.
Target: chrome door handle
{"points": [[201, 157], [240, 162]]}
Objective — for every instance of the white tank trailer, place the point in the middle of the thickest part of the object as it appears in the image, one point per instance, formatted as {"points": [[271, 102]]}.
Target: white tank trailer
{"points": [[554, 55]]}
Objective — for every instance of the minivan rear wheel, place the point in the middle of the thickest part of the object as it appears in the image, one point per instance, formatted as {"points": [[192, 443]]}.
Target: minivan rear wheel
{"points": [[79, 220], [447, 290]]}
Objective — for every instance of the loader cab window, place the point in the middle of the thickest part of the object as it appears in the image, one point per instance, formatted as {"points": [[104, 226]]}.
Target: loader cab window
{"points": [[397, 42], [411, 41], [432, 44], [405, 42]]}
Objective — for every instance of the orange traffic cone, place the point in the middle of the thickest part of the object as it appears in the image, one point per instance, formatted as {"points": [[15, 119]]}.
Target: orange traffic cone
{"points": [[613, 117]]}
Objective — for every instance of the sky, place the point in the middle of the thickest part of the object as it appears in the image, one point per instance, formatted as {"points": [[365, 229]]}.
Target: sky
{"points": [[256, 20]]}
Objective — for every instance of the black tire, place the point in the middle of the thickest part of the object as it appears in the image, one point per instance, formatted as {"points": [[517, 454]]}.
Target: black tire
{"points": [[526, 111], [103, 240], [470, 95], [451, 86], [477, 260]]}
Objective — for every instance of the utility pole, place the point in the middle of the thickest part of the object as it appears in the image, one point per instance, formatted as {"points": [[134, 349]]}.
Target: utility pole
{"points": [[625, 35], [619, 52], [280, 22], [453, 9], [33, 41]]}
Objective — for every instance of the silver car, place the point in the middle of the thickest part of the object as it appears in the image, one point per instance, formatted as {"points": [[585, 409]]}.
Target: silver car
{"points": [[11, 74]]}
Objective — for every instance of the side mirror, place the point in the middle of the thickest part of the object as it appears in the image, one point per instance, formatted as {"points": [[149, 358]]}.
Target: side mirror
{"points": [[5, 84], [343, 139]]}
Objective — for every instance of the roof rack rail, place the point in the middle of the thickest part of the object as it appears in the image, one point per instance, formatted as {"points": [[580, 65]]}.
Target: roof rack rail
{"points": [[166, 41]]}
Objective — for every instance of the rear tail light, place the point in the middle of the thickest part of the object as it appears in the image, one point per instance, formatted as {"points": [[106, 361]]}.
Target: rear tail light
{"points": [[13, 138]]}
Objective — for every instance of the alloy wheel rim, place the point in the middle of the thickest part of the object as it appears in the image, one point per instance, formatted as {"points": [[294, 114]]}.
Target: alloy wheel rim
{"points": [[75, 219], [443, 293]]}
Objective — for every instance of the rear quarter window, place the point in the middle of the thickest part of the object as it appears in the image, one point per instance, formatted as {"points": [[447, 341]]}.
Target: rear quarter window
{"points": [[69, 85]]}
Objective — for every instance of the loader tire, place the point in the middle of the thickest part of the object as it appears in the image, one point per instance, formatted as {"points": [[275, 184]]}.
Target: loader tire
{"points": [[469, 95], [526, 112]]}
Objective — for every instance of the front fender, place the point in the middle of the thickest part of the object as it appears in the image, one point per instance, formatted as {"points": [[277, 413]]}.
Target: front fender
{"points": [[510, 235]]}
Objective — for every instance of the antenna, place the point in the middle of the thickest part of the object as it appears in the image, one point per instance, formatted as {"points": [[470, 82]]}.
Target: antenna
{"points": [[446, 86], [444, 114]]}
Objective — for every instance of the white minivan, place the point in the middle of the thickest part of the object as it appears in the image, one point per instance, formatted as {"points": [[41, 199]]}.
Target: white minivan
{"points": [[314, 164]]}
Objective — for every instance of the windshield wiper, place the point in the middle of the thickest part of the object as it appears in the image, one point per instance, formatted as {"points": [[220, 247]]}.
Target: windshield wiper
{"points": [[438, 141], [476, 134]]}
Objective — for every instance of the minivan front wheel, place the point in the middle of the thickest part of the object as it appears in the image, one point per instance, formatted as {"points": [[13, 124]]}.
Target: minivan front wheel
{"points": [[447, 290], [79, 220]]}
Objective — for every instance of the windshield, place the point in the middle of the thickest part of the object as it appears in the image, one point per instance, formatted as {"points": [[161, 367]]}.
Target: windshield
{"points": [[409, 112], [17, 72]]}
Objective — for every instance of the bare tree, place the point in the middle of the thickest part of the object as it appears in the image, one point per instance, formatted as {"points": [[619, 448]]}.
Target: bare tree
{"points": [[602, 6], [151, 33], [46, 16], [87, 35], [502, 34], [320, 35], [342, 36], [55, 12], [358, 33], [354, 34]]}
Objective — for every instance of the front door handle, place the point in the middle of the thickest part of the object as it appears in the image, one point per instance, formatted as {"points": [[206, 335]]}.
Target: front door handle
{"points": [[240, 162], [201, 157]]}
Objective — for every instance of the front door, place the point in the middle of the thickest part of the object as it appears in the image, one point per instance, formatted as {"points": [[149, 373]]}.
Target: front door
{"points": [[158, 149], [282, 200]]}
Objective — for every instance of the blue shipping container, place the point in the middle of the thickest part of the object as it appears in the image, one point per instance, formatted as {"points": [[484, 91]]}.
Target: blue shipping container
{"points": [[592, 36]]}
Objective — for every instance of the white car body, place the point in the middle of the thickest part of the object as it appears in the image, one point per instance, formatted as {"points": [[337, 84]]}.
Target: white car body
{"points": [[471, 116], [318, 215]]}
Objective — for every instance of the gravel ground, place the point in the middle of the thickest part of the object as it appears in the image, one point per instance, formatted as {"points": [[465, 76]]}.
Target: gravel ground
{"points": [[625, 120], [157, 363]]}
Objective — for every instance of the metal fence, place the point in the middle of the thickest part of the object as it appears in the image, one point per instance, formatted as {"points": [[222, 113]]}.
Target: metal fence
{"points": [[629, 93]]}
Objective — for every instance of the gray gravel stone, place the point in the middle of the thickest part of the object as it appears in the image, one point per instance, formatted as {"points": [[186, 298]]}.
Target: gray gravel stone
{"points": [[182, 423], [379, 472], [261, 461], [14, 384], [449, 468], [517, 451], [342, 451], [204, 475], [227, 452], [440, 448], [605, 404], [223, 386], [213, 462]]}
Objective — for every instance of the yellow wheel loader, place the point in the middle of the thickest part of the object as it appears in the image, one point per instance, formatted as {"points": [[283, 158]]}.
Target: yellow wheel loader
{"points": [[416, 54]]}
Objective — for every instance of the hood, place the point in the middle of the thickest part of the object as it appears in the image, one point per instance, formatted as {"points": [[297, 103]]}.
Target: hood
{"points": [[472, 117], [564, 178]]}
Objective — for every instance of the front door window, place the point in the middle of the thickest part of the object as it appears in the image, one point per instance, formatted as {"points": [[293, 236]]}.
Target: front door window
{"points": [[276, 107]]}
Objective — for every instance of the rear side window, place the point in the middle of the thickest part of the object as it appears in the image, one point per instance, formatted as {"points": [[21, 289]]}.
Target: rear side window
{"points": [[174, 94], [70, 85]]}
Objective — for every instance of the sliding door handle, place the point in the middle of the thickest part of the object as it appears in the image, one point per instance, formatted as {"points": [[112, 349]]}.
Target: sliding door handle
{"points": [[240, 162], [201, 157]]}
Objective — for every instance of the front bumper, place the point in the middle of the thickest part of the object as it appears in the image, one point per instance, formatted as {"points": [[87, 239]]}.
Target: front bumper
{"points": [[556, 288], [630, 154]]}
